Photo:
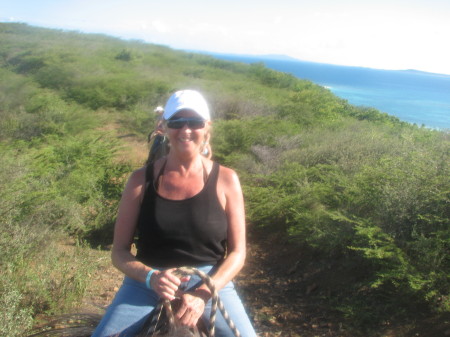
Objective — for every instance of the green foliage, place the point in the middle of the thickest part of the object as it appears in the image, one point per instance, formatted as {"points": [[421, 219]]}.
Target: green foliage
{"points": [[239, 137], [30, 111], [350, 182], [272, 78], [63, 184], [385, 197], [15, 318], [125, 55], [408, 238], [119, 91]]}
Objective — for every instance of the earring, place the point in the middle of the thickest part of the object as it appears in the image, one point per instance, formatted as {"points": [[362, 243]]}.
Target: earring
{"points": [[205, 149]]}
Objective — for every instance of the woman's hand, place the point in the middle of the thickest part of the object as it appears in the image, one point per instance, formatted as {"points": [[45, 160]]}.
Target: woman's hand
{"points": [[166, 284], [191, 309]]}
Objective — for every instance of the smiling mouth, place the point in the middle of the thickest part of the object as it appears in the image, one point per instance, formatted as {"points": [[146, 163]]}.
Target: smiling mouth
{"points": [[185, 139]]}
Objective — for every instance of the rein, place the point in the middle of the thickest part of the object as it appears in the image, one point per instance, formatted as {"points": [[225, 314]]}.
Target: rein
{"points": [[156, 327]]}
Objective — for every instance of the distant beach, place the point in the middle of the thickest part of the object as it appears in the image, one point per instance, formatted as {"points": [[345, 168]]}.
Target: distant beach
{"points": [[412, 96]]}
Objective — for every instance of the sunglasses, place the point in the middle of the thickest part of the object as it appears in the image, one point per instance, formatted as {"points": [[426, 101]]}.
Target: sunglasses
{"points": [[192, 123]]}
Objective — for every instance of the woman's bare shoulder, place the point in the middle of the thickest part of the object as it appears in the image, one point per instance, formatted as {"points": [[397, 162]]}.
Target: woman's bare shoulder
{"points": [[136, 179], [228, 176], [138, 174], [226, 171]]}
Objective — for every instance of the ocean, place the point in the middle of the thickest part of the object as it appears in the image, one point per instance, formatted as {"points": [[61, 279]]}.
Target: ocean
{"points": [[416, 97]]}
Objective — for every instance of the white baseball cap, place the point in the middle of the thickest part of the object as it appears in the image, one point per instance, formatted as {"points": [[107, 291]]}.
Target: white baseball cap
{"points": [[186, 100]]}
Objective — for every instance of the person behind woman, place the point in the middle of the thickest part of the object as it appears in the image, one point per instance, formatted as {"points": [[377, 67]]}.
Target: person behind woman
{"points": [[187, 211], [159, 146]]}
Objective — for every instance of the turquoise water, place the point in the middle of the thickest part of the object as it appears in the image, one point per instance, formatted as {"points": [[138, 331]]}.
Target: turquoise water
{"points": [[412, 96]]}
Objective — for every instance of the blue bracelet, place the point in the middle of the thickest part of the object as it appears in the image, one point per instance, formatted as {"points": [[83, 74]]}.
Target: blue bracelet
{"points": [[147, 279]]}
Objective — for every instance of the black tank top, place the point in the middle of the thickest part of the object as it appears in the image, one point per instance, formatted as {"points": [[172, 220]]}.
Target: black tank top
{"points": [[174, 233]]}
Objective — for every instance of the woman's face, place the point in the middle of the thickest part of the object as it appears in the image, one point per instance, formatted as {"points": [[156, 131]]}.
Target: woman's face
{"points": [[187, 140]]}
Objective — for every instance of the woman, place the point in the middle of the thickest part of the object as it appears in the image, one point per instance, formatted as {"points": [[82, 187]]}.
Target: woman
{"points": [[187, 211]]}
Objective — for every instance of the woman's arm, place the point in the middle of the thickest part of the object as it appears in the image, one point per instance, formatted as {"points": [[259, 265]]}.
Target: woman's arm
{"points": [[164, 283], [125, 228], [230, 196]]}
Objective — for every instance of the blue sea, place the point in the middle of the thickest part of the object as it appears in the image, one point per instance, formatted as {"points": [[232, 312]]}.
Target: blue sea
{"points": [[412, 96]]}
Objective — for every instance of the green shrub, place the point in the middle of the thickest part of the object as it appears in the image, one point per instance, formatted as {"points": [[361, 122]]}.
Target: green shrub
{"points": [[355, 188], [65, 186], [15, 318], [114, 91]]}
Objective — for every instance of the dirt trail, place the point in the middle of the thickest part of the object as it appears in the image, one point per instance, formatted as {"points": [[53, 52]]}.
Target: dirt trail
{"points": [[103, 285], [276, 290]]}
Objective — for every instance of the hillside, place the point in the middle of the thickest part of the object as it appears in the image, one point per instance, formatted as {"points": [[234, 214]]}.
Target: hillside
{"points": [[347, 207]]}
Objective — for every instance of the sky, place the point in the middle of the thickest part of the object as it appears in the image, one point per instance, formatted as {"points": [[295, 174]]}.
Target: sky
{"points": [[383, 34]]}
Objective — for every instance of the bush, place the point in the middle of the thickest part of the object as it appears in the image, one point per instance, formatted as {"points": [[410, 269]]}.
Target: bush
{"points": [[66, 186], [119, 91], [15, 318], [353, 189]]}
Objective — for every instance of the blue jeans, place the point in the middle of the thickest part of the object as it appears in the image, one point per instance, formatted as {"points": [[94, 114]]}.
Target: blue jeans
{"points": [[134, 302]]}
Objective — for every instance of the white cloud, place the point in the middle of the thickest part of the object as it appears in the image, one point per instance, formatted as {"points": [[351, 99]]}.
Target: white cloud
{"points": [[384, 33], [160, 26]]}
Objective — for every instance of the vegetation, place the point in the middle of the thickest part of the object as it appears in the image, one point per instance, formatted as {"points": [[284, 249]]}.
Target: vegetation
{"points": [[350, 183]]}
